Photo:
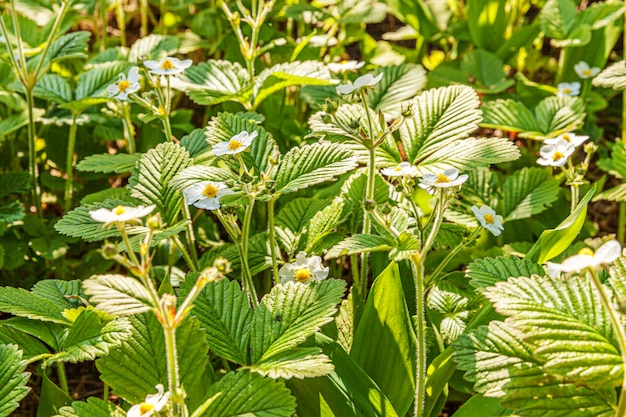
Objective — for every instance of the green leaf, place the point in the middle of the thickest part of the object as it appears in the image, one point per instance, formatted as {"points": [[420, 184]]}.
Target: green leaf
{"points": [[564, 322], [106, 194], [14, 183], [284, 75], [487, 70], [553, 242], [303, 309], [144, 358], [312, 164], [106, 163], [487, 272], [558, 18], [64, 294], [93, 407], [94, 81], [53, 87], [442, 116], [617, 193], [198, 173], [13, 379], [481, 406], [226, 125], [71, 45], [487, 22], [22, 303], [599, 15], [552, 116], [247, 393], [324, 222], [29, 345], [384, 343], [613, 76], [91, 335], [152, 47], [223, 311], [399, 84], [150, 182], [358, 244], [51, 398], [11, 212], [347, 392], [502, 364], [118, 294], [17, 121], [528, 192], [213, 82], [295, 363]]}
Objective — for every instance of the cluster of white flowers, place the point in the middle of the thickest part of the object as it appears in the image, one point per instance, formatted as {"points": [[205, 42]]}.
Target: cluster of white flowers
{"points": [[584, 71], [127, 85], [556, 151], [303, 269]]}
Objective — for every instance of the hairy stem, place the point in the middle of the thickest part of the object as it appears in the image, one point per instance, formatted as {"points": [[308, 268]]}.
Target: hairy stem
{"points": [[33, 170], [618, 328], [69, 163], [271, 234], [243, 249], [420, 330], [575, 196]]}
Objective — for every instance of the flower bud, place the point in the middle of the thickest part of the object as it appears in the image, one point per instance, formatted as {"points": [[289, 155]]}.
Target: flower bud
{"points": [[247, 178], [143, 249], [369, 205], [154, 222], [270, 185], [386, 209], [109, 250], [229, 183], [222, 265]]}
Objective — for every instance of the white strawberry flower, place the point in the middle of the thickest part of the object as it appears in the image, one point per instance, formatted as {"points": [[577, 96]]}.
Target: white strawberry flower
{"points": [[125, 85], [568, 89], [120, 214], [364, 81], [489, 219], [303, 269], [446, 179], [153, 404], [586, 259], [556, 154], [572, 138], [168, 66], [400, 170], [584, 71], [236, 144], [206, 194]]}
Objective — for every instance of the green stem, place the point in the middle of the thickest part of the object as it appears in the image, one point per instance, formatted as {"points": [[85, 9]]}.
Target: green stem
{"points": [[143, 10], [121, 21], [245, 237], [575, 196], [621, 225], [420, 330], [271, 234], [69, 163], [128, 128], [104, 24], [438, 218], [191, 237], [55, 27], [188, 259], [33, 170], [18, 39], [172, 368], [618, 328], [62, 377], [105, 392], [453, 253]]}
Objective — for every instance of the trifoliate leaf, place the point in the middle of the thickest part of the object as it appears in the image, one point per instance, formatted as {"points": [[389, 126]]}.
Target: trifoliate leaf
{"points": [[13, 379], [528, 192], [118, 294], [487, 272]]}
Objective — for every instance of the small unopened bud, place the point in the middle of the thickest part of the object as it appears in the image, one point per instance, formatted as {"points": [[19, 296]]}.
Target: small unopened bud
{"points": [[354, 124], [407, 111], [143, 249], [369, 205], [222, 265], [385, 209], [229, 183], [270, 185], [590, 147], [154, 222], [247, 178], [275, 158], [109, 250]]}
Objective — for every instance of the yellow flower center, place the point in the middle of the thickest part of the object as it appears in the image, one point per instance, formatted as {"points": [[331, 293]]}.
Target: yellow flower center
{"points": [[585, 251], [557, 155], [398, 168], [566, 137], [119, 210], [567, 91], [167, 65], [210, 191], [302, 274], [587, 72], [234, 145], [442, 178], [489, 219], [123, 86], [145, 408]]}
